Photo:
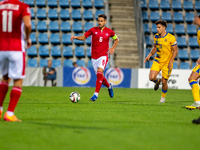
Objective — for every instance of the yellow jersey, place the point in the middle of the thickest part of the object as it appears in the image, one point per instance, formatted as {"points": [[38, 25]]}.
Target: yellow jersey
{"points": [[164, 47], [198, 37]]}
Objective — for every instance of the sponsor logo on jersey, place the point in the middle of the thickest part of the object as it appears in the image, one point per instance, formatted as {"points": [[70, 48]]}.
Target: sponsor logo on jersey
{"points": [[107, 34], [114, 75], [81, 75], [96, 33]]}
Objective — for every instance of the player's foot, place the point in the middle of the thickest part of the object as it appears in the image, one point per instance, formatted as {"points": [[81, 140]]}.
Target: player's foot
{"points": [[197, 121], [162, 100], [12, 118], [111, 93], [156, 87], [193, 106], [93, 98], [1, 113]]}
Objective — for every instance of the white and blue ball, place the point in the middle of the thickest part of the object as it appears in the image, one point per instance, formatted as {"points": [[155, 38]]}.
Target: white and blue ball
{"points": [[75, 97]]}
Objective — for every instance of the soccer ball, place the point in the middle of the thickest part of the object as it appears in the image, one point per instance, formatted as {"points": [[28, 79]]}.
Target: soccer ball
{"points": [[75, 97]]}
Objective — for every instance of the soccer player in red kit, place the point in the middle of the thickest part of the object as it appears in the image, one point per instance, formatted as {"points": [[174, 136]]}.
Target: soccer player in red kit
{"points": [[99, 52], [14, 20]]}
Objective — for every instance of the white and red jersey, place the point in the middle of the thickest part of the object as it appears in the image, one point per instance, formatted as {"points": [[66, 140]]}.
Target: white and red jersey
{"points": [[100, 41], [12, 26]]}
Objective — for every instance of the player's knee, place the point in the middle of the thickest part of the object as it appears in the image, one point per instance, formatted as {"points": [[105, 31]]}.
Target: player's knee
{"points": [[152, 78], [190, 78]]}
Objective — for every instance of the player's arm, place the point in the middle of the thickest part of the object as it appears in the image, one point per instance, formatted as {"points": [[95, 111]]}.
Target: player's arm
{"points": [[82, 38], [112, 49], [27, 27], [153, 51]]}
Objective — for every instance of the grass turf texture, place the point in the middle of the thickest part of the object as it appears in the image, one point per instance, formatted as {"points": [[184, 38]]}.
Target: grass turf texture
{"points": [[133, 119]]}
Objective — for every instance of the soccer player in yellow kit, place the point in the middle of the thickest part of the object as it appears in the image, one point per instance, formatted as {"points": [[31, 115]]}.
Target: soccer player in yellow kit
{"points": [[165, 47]]}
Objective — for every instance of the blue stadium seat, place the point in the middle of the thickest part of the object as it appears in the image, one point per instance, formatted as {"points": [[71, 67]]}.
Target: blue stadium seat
{"points": [[188, 5], [53, 14], [78, 42], [43, 51], [150, 63], [193, 65], [148, 50], [77, 27], [87, 3], [33, 38], [32, 62], [41, 3], [143, 4], [67, 51], [181, 41], [175, 65], [164, 5], [178, 17], [66, 39], [146, 28], [98, 12], [191, 29], [76, 14], [179, 29], [52, 3], [167, 16], [64, 3], [88, 25], [176, 5], [88, 52], [88, 15], [29, 2], [43, 62], [55, 38], [55, 51], [76, 4], [192, 42], [98, 4], [154, 16], [41, 13], [80, 63], [32, 13], [148, 41], [153, 4], [89, 64], [189, 17], [79, 52], [32, 51], [145, 16], [194, 54], [33, 25], [67, 63], [43, 38], [170, 29], [64, 14], [53, 26], [88, 40], [197, 5], [42, 26], [183, 54], [184, 65], [56, 63], [154, 28], [65, 26]]}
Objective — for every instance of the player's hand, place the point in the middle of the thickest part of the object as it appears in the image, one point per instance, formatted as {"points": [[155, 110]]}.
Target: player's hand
{"points": [[111, 51], [73, 37], [170, 65], [29, 43], [198, 62], [147, 58]]}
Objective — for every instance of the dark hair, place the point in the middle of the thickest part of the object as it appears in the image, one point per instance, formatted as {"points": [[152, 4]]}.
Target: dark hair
{"points": [[162, 22], [74, 63], [199, 15], [103, 16]]}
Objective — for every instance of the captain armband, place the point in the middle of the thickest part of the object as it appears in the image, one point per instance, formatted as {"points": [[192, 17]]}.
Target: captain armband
{"points": [[115, 37]]}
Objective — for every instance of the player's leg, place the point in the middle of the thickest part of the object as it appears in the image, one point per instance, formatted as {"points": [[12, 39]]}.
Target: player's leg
{"points": [[164, 90], [155, 69]]}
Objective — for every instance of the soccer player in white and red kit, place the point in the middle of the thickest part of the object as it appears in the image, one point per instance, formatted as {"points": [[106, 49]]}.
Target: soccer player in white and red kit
{"points": [[14, 20], [99, 52]]}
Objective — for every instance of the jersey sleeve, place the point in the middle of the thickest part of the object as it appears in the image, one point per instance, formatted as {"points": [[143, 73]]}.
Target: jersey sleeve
{"points": [[26, 10], [173, 41], [198, 37], [88, 33], [112, 33]]}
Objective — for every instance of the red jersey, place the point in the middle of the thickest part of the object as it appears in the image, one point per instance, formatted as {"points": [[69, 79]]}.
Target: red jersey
{"points": [[12, 26], [100, 41]]}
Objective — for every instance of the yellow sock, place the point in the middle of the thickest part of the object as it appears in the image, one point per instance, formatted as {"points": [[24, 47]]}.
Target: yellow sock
{"points": [[164, 93], [195, 90]]}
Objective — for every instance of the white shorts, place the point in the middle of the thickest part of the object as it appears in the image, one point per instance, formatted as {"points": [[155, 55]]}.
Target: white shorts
{"points": [[13, 64], [101, 62]]}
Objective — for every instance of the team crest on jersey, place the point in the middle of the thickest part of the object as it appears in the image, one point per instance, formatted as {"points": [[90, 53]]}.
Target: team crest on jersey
{"points": [[107, 34], [165, 40], [95, 32]]}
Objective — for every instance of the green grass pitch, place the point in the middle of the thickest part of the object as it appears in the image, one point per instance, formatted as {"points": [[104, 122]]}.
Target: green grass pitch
{"points": [[133, 119]]}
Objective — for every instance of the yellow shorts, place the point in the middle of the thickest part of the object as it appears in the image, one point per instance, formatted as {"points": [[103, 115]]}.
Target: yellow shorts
{"points": [[196, 69], [164, 67]]}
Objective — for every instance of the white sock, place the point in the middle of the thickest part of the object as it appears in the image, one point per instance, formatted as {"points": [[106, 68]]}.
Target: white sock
{"points": [[10, 113], [197, 102], [1, 108], [95, 93], [109, 86]]}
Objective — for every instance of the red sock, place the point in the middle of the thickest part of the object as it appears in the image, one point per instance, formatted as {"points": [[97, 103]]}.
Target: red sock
{"points": [[3, 91], [105, 82], [99, 81], [14, 98]]}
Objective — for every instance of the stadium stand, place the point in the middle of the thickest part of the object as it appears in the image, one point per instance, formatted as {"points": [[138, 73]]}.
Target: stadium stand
{"points": [[87, 3], [53, 26], [32, 51], [33, 25], [181, 42], [184, 65], [143, 4], [193, 65], [43, 51], [98, 12], [170, 28], [179, 29], [56, 63], [80, 63], [89, 64], [52, 3], [88, 52], [153, 4], [154, 28], [88, 40], [178, 17], [29, 2], [78, 42], [77, 27], [183, 54], [55, 51], [197, 5], [41, 3], [41, 13], [33, 38], [154, 16], [67, 63], [188, 5], [43, 38], [32, 14], [167, 16], [88, 25], [53, 14], [32, 62], [176, 5], [145, 16], [66, 39], [64, 14], [76, 14], [43, 62], [55, 38], [42, 26], [79, 52], [175, 65], [67, 52], [76, 3], [146, 28], [192, 42], [64, 3], [164, 5], [65, 26], [189, 17], [88, 15], [194, 54], [191, 29], [98, 3], [148, 40]]}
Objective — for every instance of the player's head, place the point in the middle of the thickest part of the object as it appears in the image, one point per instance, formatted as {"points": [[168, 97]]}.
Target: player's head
{"points": [[102, 20], [161, 26], [49, 63]]}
